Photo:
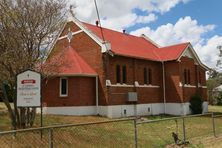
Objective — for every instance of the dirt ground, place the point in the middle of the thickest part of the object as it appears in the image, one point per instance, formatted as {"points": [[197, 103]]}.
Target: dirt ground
{"points": [[207, 142]]}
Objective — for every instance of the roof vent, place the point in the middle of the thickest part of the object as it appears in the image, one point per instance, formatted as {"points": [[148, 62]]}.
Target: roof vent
{"points": [[97, 23], [124, 31]]}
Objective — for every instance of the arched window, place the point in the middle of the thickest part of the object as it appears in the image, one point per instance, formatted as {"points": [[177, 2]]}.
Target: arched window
{"points": [[118, 74], [150, 76], [199, 77], [124, 76], [147, 74], [186, 75], [121, 74]]}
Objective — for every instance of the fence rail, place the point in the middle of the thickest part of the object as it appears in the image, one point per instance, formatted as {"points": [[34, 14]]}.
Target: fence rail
{"points": [[173, 118], [63, 126], [130, 132]]}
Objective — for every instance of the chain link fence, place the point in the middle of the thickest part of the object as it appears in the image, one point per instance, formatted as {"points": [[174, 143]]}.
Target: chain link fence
{"points": [[115, 133], [159, 132], [118, 133], [29, 138], [132, 132], [218, 125]]}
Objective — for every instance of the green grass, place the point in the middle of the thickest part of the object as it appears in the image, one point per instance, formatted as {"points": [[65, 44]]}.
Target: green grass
{"points": [[215, 108], [2, 106], [116, 134]]}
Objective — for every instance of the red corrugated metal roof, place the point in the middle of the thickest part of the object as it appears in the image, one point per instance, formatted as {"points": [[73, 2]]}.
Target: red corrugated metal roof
{"points": [[69, 62], [138, 47], [171, 52], [125, 44]]}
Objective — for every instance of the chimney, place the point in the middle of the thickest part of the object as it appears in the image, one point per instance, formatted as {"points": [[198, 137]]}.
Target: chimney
{"points": [[97, 23], [124, 31]]}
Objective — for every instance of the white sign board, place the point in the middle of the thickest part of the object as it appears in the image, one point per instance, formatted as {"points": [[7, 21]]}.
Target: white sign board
{"points": [[29, 89]]}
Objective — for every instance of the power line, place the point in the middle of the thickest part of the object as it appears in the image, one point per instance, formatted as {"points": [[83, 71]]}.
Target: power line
{"points": [[100, 25]]}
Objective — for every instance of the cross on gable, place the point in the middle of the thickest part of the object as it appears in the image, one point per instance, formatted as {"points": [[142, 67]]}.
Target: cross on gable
{"points": [[69, 35]]}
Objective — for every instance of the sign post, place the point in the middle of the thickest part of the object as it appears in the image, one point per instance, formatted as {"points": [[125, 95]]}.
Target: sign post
{"points": [[29, 90]]}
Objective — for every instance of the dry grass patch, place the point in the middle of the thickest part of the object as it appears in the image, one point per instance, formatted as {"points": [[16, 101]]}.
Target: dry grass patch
{"points": [[214, 108], [117, 134]]}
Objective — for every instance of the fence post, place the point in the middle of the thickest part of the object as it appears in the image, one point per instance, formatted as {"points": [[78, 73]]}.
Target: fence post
{"points": [[135, 133], [50, 138], [184, 130], [213, 123]]}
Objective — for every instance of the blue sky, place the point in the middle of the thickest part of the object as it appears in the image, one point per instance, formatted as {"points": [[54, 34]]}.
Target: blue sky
{"points": [[205, 11], [166, 22]]}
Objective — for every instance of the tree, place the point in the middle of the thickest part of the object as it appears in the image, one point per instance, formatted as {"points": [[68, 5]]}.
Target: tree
{"points": [[27, 30], [213, 81], [219, 98], [219, 62]]}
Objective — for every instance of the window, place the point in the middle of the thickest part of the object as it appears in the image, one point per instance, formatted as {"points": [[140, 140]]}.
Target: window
{"points": [[147, 73], [63, 87], [150, 76], [117, 74], [124, 74], [145, 76], [121, 77], [186, 76], [199, 77]]}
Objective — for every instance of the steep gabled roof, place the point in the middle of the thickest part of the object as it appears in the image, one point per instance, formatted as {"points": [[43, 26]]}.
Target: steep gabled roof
{"points": [[172, 52], [70, 63], [140, 47], [132, 46], [125, 44]]}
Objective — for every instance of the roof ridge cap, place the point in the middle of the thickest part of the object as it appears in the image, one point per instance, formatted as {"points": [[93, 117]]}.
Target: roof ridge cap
{"points": [[175, 45], [150, 40], [111, 30]]}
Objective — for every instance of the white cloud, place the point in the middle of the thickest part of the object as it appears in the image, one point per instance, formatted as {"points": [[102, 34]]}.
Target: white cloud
{"points": [[146, 19], [119, 23], [120, 14], [186, 30], [112, 11], [208, 52]]}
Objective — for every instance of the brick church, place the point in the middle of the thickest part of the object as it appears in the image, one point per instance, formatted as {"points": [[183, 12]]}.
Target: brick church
{"points": [[115, 74]]}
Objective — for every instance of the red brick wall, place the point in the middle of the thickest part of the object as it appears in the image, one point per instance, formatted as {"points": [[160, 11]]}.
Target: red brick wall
{"points": [[118, 95], [81, 92], [202, 75], [188, 63], [149, 95], [203, 91], [174, 92], [72, 27], [90, 51], [135, 70], [117, 60], [105, 66]]}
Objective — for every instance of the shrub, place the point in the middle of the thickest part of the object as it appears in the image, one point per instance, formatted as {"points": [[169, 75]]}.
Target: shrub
{"points": [[219, 99], [196, 104]]}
